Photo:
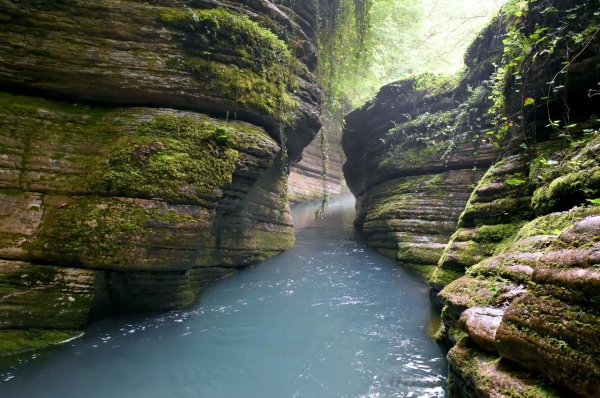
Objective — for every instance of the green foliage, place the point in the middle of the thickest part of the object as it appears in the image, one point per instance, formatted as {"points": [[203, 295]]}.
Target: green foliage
{"points": [[436, 84], [528, 48], [397, 38], [324, 146], [364, 44]]}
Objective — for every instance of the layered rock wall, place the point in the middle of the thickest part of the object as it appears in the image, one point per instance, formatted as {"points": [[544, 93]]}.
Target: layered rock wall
{"points": [[414, 154], [144, 149], [310, 179], [518, 279]]}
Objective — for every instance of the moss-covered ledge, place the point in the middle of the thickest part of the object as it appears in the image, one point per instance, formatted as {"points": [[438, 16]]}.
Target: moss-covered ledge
{"points": [[150, 152], [213, 59]]}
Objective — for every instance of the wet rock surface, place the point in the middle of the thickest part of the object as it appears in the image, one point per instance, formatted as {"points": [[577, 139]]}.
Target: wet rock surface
{"points": [[307, 180], [144, 149], [518, 277], [481, 325], [414, 154], [473, 373]]}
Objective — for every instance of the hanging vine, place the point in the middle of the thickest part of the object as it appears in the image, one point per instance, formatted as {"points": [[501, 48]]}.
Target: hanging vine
{"points": [[343, 30]]}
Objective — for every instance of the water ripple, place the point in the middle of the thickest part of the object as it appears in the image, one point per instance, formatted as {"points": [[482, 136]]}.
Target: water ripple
{"points": [[330, 318]]}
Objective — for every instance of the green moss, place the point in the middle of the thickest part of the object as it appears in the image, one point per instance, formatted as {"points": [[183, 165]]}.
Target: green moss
{"points": [[435, 328], [439, 335], [490, 176], [412, 153], [471, 363], [495, 233], [554, 224], [491, 375], [98, 228], [541, 391], [418, 254], [24, 106], [385, 208], [175, 158], [401, 187], [567, 191], [274, 241], [540, 171], [493, 239], [263, 74], [442, 277], [247, 87], [424, 271], [219, 25], [456, 334], [18, 341], [477, 291], [459, 257]]}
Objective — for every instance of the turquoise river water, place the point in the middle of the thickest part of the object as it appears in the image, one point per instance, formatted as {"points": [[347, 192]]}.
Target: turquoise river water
{"points": [[329, 318]]}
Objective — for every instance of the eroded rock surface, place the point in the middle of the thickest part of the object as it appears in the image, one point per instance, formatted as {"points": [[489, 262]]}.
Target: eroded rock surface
{"points": [[309, 179], [414, 153], [144, 151], [518, 278]]}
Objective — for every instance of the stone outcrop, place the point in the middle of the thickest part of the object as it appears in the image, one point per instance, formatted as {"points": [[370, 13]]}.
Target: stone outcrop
{"points": [[414, 153], [144, 149], [518, 279], [476, 373]]}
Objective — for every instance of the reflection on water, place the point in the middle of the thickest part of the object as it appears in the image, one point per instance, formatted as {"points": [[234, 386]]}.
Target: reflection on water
{"points": [[330, 318]]}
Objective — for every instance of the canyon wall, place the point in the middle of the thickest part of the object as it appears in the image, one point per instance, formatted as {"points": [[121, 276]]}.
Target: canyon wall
{"points": [[306, 181], [414, 153], [144, 152], [496, 182]]}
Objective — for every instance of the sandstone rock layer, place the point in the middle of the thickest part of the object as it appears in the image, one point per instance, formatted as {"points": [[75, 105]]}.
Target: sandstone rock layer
{"points": [[518, 277], [144, 150]]}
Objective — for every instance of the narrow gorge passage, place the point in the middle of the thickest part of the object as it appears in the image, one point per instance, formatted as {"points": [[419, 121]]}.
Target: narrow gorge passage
{"points": [[329, 318]]}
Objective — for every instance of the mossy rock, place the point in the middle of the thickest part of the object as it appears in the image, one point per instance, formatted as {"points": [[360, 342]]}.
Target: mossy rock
{"points": [[219, 60], [554, 224], [556, 338], [477, 291], [180, 157], [423, 271], [14, 342], [474, 373], [264, 73], [117, 232], [48, 297], [442, 277], [567, 191], [175, 158]]}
